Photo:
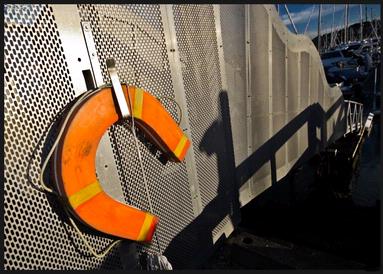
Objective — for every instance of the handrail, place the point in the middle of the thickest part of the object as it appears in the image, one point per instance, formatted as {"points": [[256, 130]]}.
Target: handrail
{"points": [[354, 116]]}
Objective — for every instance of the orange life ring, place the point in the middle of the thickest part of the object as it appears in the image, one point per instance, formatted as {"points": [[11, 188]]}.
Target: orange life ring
{"points": [[74, 164]]}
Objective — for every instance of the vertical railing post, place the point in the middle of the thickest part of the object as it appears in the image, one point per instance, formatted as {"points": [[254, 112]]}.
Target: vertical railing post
{"points": [[354, 116], [374, 96], [347, 116], [358, 118], [350, 115]]}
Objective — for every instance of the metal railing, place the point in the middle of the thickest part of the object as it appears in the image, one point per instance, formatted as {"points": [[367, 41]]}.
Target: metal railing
{"points": [[354, 116]]}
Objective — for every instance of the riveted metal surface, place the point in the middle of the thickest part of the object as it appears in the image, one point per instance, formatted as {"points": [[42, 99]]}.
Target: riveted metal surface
{"points": [[134, 36], [37, 84]]}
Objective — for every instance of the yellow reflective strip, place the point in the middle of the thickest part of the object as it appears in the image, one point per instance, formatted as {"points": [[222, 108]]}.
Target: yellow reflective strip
{"points": [[180, 146], [85, 194], [145, 227], [138, 100]]}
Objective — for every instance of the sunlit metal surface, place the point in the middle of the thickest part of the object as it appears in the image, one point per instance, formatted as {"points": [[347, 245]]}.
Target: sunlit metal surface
{"points": [[254, 99]]}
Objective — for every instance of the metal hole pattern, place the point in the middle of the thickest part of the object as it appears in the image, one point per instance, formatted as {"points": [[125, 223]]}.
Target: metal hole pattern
{"points": [[36, 86], [133, 35], [233, 44], [197, 44], [198, 50], [232, 19]]}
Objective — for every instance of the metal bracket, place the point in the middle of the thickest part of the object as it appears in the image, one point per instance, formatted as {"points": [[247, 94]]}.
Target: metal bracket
{"points": [[91, 47], [111, 64], [68, 22]]}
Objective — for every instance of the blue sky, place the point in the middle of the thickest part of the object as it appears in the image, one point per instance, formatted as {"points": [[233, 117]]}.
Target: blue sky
{"points": [[301, 13]]}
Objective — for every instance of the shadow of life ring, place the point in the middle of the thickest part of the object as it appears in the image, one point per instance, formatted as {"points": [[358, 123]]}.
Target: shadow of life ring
{"points": [[74, 160]]}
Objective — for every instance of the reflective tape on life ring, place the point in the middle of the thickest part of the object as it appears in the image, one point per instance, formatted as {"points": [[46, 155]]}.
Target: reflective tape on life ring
{"points": [[158, 124], [74, 165]]}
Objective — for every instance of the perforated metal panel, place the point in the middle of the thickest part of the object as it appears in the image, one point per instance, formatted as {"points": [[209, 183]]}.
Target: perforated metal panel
{"points": [[284, 76], [293, 97], [289, 98], [232, 21], [278, 91], [209, 112], [36, 86], [201, 73], [261, 103], [134, 36]]}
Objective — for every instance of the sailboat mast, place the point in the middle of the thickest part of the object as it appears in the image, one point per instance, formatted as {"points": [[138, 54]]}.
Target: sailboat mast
{"points": [[319, 30], [332, 28], [345, 23], [361, 22]]}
